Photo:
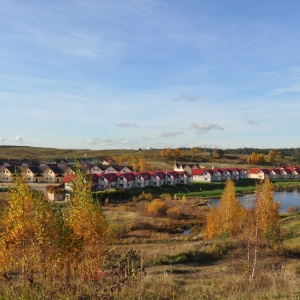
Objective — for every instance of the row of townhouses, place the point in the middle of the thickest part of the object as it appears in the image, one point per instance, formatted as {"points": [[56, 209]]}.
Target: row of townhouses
{"points": [[111, 175], [279, 173], [53, 173], [133, 179]]}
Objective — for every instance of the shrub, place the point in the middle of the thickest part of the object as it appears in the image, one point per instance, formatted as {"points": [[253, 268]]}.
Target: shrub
{"points": [[165, 196], [55, 189], [146, 196], [293, 209], [174, 213], [157, 208]]}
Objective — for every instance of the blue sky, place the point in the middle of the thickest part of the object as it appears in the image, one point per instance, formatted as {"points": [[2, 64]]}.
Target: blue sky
{"points": [[150, 73]]}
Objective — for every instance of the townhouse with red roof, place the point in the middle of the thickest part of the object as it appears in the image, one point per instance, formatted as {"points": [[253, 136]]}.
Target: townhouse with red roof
{"points": [[142, 179], [125, 180]]}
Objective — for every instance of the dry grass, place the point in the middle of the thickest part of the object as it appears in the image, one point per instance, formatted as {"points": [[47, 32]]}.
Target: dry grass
{"points": [[222, 279]]}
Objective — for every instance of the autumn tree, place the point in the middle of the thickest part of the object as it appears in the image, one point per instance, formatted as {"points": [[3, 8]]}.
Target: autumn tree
{"points": [[271, 156], [256, 158], [86, 217], [226, 219], [142, 164], [162, 153], [177, 153], [193, 151], [27, 237], [168, 152], [261, 226]]}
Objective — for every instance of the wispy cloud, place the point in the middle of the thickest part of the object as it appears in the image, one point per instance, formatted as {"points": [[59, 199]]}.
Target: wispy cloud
{"points": [[205, 127], [285, 90], [251, 122], [171, 134], [126, 125], [186, 98], [2, 139], [97, 141]]}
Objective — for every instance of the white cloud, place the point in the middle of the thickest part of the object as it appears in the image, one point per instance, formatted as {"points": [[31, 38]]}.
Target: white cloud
{"points": [[19, 139], [205, 127], [2, 139]]}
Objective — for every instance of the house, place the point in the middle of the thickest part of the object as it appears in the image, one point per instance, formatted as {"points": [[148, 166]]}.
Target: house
{"points": [[256, 173], [171, 178], [185, 167], [217, 174], [107, 181], [8, 173], [205, 175], [184, 177], [108, 162], [33, 174], [274, 174], [285, 173], [126, 180], [225, 173], [235, 174], [294, 172], [97, 169], [52, 173], [158, 178], [243, 173], [142, 179], [120, 169]]}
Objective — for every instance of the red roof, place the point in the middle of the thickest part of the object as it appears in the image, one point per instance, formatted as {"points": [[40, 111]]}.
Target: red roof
{"points": [[69, 178], [173, 174], [110, 177], [128, 176], [144, 175], [201, 171], [159, 174]]}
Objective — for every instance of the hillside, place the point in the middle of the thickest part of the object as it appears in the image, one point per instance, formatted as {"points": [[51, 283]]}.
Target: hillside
{"points": [[154, 159]]}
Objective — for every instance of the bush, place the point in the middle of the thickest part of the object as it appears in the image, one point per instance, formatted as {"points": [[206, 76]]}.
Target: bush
{"points": [[157, 208], [145, 196], [293, 209], [165, 196], [174, 213]]}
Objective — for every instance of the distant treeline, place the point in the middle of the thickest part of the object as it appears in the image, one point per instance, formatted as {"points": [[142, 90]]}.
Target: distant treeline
{"points": [[281, 151]]}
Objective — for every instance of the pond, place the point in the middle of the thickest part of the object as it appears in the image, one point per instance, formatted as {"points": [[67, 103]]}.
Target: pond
{"points": [[285, 198]]}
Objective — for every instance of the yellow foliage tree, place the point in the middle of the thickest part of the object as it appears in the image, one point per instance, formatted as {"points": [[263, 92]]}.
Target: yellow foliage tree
{"points": [[27, 236], [226, 219], [86, 218], [271, 156], [177, 153], [261, 226]]}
